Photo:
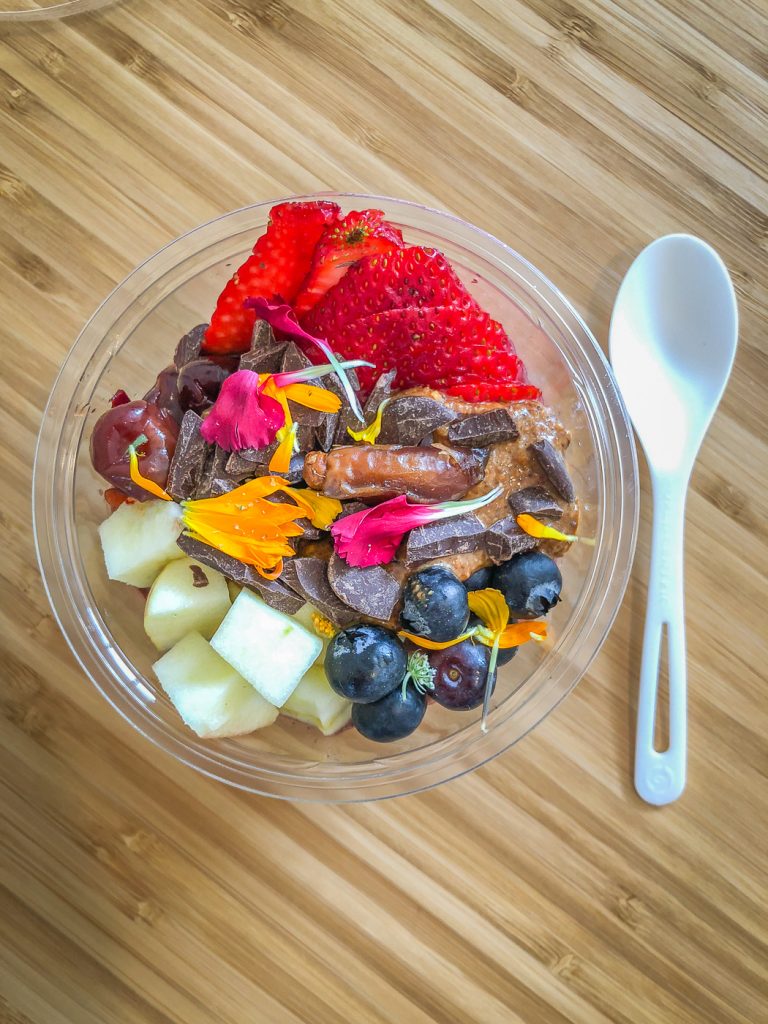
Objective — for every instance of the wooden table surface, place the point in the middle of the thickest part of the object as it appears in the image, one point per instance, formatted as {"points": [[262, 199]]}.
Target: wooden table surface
{"points": [[538, 889]]}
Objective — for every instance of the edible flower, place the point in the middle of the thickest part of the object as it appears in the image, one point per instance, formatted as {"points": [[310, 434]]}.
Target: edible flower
{"points": [[282, 318], [242, 523], [535, 528], [243, 415], [495, 632], [370, 433], [419, 672], [371, 537], [252, 409]]}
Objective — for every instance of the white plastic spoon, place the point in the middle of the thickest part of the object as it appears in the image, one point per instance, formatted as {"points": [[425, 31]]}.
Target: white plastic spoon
{"points": [[673, 338]]}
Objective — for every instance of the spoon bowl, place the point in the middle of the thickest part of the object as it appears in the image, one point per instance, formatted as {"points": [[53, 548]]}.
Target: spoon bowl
{"points": [[672, 343]]}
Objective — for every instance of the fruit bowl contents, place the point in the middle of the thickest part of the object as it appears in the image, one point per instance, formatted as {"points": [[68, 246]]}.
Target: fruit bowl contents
{"points": [[343, 498]]}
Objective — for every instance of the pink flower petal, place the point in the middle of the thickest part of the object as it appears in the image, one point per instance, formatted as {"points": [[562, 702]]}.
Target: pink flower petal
{"points": [[242, 416], [371, 537], [282, 318]]}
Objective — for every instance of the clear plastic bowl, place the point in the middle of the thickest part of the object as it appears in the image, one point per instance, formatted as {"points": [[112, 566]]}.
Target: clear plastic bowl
{"points": [[133, 334], [41, 10]]}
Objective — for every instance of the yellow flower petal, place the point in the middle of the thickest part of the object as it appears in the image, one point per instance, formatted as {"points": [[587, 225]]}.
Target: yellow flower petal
{"points": [[281, 459], [370, 433], [490, 606], [433, 645], [322, 510], [534, 528], [142, 481], [312, 397]]}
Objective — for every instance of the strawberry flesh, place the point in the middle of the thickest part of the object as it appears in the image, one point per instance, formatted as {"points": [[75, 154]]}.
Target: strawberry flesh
{"points": [[361, 233], [411, 276], [280, 261], [432, 344]]}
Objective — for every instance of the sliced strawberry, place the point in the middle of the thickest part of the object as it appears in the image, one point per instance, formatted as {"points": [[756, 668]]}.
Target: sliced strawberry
{"points": [[412, 276], [361, 233], [430, 344], [478, 389], [280, 261]]}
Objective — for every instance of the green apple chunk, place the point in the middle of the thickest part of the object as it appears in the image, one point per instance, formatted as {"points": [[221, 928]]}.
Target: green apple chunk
{"points": [[269, 649], [138, 539], [213, 700], [314, 702], [186, 597]]}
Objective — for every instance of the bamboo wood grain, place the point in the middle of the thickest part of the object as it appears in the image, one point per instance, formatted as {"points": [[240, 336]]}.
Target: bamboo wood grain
{"points": [[539, 889]]}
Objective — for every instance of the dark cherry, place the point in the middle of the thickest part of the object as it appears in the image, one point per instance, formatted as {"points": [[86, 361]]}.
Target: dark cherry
{"points": [[460, 675], [119, 427], [199, 383], [165, 392]]}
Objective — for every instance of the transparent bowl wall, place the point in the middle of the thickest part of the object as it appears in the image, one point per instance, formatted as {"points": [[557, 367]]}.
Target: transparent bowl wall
{"points": [[133, 334], [41, 10]]}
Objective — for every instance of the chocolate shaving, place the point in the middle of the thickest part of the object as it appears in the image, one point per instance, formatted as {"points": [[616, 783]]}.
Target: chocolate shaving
{"points": [[189, 459], [309, 577], [275, 593], [189, 346], [505, 539], [553, 465], [534, 501], [199, 579], [410, 419], [372, 591], [483, 428], [455, 536]]}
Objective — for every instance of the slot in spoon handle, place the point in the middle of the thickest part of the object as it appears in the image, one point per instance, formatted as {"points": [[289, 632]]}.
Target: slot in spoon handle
{"points": [[660, 775]]}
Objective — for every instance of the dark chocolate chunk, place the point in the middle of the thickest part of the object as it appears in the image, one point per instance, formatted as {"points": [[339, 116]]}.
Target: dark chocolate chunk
{"points": [[262, 337], [381, 389], [189, 459], [189, 346], [455, 536], [409, 419], [309, 577], [275, 593], [372, 591], [213, 479], [344, 417], [505, 539], [553, 465], [199, 579], [483, 428], [239, 468], [534, 501], [294, 358], [349, 508], [267, 360]]}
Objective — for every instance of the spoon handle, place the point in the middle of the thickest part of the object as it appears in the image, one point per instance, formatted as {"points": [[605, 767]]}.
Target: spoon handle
{"points": [[660, 775]]}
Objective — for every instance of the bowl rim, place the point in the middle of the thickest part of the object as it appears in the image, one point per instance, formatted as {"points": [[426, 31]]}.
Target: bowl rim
{"points": [[413, 773]]}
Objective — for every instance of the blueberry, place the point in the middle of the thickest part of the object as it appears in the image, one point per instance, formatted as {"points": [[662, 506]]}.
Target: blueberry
{"points": [[365, 662], [460, 676], [530, 583], [434, 604], [480, 579], [391, 718]]}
